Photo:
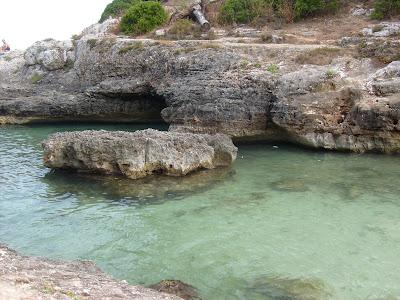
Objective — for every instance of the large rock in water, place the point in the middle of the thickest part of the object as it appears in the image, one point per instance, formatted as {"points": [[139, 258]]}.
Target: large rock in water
{"points": [[138, 154]]}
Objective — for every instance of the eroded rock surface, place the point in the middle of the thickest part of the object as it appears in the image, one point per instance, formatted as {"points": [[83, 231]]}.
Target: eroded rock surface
{"points": [[32, 278], [138, 154], [248, 91]]}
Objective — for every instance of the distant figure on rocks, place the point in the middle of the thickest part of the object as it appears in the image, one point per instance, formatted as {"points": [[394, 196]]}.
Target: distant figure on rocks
{"points": [[5, 47]]}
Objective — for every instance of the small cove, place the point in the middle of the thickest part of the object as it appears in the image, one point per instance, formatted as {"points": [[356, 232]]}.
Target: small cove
{"points": [[280, 213]]}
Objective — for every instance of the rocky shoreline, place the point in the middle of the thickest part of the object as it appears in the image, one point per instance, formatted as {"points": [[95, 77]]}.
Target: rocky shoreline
{"points": [[248, 91], [33, 278]]}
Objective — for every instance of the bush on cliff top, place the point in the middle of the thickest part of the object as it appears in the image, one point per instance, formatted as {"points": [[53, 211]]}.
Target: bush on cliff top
{"points": [[116, 8], [304, 8], [143, 17], [386, 9], [250, 11]]}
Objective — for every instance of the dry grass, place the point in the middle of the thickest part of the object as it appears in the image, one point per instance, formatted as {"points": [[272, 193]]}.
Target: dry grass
{"points": [[183, 28], [210, 46], [211, 11], [131, 47], [320, 56]]}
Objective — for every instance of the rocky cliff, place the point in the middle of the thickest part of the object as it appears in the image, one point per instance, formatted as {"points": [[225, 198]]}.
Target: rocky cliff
{"points": [[251, 90]]}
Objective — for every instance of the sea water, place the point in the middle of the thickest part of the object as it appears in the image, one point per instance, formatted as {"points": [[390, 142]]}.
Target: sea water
{"points": [[282, 223]]}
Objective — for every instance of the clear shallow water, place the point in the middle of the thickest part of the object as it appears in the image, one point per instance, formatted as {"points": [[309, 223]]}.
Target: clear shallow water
{"points": [[281, 220]]}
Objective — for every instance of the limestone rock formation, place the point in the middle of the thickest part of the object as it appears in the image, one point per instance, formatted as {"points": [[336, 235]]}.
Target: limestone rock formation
{"points": [[384, 29], [138, 154], [50, 54], [385, 81], [248, 91], [100, 29], [23, 277]]}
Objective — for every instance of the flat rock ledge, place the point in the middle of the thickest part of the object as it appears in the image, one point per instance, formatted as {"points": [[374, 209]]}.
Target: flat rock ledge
{"points": [[138, 154], [34, 278]]}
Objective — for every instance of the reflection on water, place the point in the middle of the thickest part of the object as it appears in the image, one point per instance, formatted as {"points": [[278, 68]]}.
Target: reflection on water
{"points": [[283, 223]]}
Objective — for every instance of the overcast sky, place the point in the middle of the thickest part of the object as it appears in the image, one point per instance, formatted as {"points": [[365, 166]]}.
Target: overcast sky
{"points": [[23, 22]]}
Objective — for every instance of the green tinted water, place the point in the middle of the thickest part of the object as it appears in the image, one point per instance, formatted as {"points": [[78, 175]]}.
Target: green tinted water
{"points": [[282, 222]]}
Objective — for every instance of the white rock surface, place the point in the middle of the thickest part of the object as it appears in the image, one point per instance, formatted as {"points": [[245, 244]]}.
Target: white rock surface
{"points": [[138, 154], [100, 29], [383, 29], [50, 54]]}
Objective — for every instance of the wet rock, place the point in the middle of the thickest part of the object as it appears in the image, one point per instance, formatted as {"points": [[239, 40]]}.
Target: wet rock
{"points": [[144, 191], [290, 289], [138, 154], [24, 277], [176, 287]]}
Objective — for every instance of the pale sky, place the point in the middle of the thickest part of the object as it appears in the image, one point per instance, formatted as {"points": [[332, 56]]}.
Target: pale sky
{"points": [[23, 22]]}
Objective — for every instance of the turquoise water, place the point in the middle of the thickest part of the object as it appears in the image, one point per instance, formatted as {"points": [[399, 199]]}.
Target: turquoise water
{"points": [[282, 223]]}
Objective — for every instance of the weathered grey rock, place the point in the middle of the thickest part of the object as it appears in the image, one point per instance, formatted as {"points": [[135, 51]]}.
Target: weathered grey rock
{"points": [[385, 81], [219, 87], [383, 29], [50, 54], [100, 29], [360, 11], [11, 67], [24, 277], [138, 154]]}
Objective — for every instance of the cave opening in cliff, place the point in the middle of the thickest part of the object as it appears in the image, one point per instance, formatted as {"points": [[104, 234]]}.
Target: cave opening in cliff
{"points": [[134, 108], [107, 108]]}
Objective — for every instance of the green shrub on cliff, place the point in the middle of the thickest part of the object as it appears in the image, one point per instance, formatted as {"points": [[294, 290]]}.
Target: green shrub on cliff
{"points": [[304, 8], [143, 17], [116, 8], [251, 11], [385, 9], [242, 11]]}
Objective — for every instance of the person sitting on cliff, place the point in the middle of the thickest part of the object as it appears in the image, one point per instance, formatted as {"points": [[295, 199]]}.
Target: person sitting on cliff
{"points": [[5, 47]]}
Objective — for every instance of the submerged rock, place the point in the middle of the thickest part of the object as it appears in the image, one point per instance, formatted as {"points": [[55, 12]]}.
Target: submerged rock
{"points": [[25, 277], [145, 191], [290, 289], [138, 154], [289, 185], [176, 287]]}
